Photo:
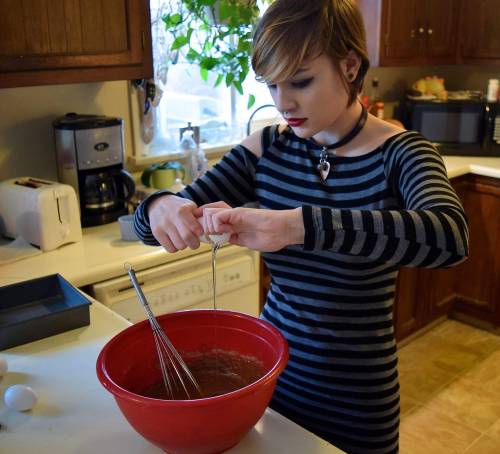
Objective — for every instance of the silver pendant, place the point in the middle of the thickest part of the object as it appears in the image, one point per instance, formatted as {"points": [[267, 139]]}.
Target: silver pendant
{"points": [[324, 170], [324, 165]]}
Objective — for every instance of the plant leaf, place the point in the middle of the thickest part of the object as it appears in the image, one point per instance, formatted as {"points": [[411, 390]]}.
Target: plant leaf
{"points": [[179, 42], [171, 20], [229, 79], [204, 73], [208, 63], [251, 101], [192, 55], [238, 86], [220, 78], [224, 11]]}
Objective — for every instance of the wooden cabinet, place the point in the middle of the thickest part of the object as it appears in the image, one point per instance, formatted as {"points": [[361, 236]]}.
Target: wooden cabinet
{"points": [[480, 32], [422, 296], [478, 279], [471, 290], [72, 41], [426, 32], [411, 32]]}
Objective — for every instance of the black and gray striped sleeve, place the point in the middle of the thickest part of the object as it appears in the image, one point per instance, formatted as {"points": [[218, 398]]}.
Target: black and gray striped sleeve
{"points": [[430, 230], [231, 180]]}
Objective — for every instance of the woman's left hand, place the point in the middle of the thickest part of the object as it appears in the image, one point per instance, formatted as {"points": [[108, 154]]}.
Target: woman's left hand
{"points": [[258, 229]]}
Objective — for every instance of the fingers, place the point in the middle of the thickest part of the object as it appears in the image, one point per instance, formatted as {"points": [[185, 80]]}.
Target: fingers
{"points": [[164, 240], [226, 221], [209, 209], [174, 225], [219, 204], [212, 220]]}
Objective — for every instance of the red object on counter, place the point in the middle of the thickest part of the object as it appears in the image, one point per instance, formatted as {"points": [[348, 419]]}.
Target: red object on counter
{"points": [[365, 101], [377, 109], [128, 362]]}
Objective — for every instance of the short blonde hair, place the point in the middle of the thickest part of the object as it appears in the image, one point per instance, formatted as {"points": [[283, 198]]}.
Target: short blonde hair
{"points": [[292, 31]]}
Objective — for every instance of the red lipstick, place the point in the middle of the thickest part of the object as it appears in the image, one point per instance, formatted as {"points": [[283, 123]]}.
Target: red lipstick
{"points": [[295, 122]]}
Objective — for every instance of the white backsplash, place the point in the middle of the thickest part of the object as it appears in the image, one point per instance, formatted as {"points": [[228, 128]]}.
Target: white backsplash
{"points": [[26, 115]]}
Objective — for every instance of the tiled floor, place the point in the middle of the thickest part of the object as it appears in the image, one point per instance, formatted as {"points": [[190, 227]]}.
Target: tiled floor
{"points": [[450, 391]]}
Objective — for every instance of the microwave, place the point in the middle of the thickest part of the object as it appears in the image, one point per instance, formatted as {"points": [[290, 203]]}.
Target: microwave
{"points": [[456, 127]]}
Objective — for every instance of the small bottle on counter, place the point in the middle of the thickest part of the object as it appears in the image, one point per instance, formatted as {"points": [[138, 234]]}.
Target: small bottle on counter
{"points": [[197, 160], [376, 104], [378, 110], [374, 93], [493, 90], [198, 163]]}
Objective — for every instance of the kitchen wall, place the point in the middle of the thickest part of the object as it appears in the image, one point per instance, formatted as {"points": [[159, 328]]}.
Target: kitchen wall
{"points": [[26, 114]]}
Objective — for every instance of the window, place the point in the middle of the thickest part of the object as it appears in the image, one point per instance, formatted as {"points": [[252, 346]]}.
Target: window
{"points": [[220, 112]]}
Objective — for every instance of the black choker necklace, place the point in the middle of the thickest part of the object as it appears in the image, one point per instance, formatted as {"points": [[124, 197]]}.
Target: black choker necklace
{"points": [[324, 166]]}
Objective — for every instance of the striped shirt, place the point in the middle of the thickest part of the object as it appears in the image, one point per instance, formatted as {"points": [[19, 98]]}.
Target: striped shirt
{"points": [[332, 296]]}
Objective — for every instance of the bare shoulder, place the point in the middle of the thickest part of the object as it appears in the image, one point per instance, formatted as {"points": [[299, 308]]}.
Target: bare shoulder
{"points": [[253, 142], [383, 129]]}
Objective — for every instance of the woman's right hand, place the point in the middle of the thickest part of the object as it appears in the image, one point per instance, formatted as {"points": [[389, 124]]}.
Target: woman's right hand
{"points": [[174, 223]]}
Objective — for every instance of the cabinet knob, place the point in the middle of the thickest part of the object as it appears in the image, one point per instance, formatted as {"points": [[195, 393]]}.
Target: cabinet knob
{"points": [[412, 33], [421, 30], [429, 31]]}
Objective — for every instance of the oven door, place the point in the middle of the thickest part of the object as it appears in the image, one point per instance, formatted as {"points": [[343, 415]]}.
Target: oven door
{"points": [[187, 284]]}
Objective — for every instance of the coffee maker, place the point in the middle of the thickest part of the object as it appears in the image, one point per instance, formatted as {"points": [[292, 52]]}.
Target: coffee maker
{"points": [[89, 152]]}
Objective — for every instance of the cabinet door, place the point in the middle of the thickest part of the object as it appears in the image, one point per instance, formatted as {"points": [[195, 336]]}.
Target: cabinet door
{"points": [[480, 31], [437, 290], [478, 279], [399, 32], [67, 41], [438, 24], [408, 310], [422, 296]]}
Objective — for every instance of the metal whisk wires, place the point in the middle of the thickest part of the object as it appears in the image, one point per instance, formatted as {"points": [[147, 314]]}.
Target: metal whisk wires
{"points": [[175, 372]]}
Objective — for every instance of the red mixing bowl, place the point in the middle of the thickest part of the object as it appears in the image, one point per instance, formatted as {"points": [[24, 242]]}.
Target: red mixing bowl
{"points": [[128, 363]]}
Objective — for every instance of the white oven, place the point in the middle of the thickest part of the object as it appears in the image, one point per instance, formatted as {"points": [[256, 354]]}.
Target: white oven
{"points": [[187, 284]]}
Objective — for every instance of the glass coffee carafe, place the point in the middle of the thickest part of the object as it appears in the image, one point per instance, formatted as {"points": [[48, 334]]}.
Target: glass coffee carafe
{"points": [[105, 195]]}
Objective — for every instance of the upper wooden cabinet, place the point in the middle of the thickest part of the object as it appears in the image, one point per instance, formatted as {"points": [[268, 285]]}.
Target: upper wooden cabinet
{"points": [[45, 42], [426, 32], [480, 31]]}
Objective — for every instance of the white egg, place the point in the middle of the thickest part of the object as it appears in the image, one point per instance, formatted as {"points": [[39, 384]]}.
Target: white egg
{"points": [[20, 397], [3, 367], [219, 239]]}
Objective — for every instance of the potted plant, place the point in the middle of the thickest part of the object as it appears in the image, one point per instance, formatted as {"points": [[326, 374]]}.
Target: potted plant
{"points": [[215, 35]]}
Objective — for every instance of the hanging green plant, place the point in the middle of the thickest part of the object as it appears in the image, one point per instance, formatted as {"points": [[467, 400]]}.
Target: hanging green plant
{"points": [[215, 35]]}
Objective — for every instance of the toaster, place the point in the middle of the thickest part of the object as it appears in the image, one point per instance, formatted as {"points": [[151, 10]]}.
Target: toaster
{"points": [[44, 213]]}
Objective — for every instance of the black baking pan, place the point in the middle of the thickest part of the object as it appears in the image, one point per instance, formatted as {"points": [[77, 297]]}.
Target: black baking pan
{"points": [[39, 308]]}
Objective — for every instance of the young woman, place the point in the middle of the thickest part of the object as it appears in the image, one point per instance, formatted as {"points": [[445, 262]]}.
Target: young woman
{"points": [[345, 200]]}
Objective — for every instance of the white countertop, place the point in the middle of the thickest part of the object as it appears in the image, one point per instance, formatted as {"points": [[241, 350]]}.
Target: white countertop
{"points": [[98, 257], [101, 254], [75, 414], [461, 165]]}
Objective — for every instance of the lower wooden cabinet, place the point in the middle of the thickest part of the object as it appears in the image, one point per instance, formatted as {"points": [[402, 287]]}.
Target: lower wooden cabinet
{"points": [[422, 296], [471, 290], [478, 279]]}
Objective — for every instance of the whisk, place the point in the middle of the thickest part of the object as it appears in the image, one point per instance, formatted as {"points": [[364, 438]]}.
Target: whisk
{"points": [[175, 372]]}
